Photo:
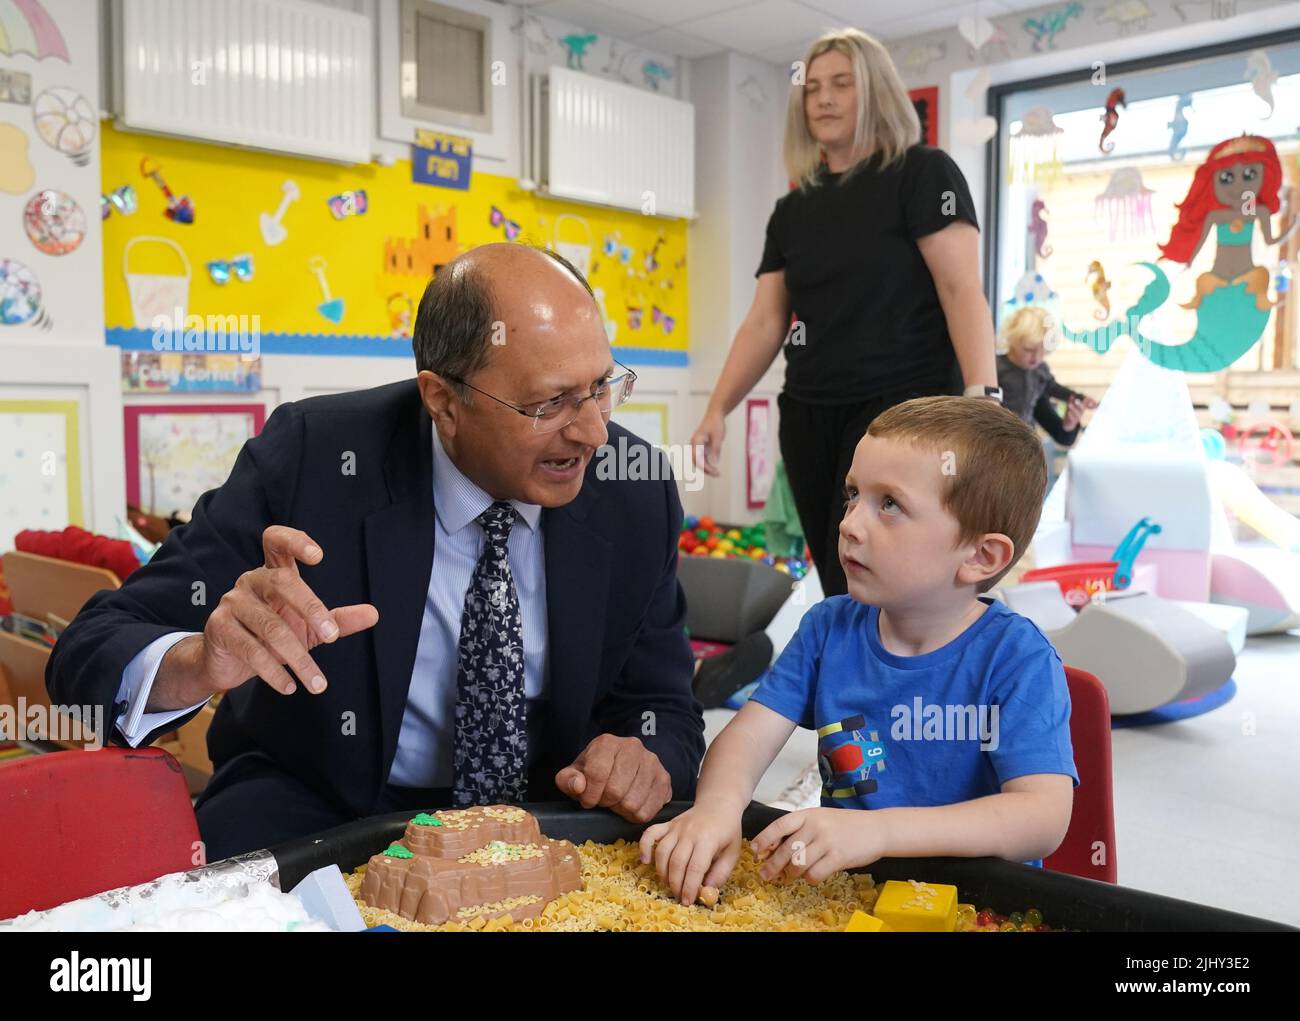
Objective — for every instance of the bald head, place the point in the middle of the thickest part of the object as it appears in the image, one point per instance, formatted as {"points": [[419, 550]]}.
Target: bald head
{"points": [[518, 263], [503, 331], [487, 295]]}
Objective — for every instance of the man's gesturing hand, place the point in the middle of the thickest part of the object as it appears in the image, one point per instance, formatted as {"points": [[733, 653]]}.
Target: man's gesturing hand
{"points": [[618, 773], [270, 620]]}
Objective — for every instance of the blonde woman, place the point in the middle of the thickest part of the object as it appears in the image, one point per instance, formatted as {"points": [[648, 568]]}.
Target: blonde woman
{"points": [[876, 255]]}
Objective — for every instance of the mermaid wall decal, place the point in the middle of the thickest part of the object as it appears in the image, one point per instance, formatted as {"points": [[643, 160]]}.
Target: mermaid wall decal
{"points": [[1236, 188]]}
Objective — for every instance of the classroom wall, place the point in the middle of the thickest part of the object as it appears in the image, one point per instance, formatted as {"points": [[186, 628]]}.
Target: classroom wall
{"points": [[281, 290], [60, 406], [739, 124], [49, 146]]}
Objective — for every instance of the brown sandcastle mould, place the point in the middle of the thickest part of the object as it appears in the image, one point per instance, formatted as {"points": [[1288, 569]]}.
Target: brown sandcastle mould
{"points": [[461, 864]]}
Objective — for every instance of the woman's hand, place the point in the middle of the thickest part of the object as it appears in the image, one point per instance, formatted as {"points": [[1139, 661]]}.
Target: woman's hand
{"points": [[816, 842], [698, 848], [706, 443]]}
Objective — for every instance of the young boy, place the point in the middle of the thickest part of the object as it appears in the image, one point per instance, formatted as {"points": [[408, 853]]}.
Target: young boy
{"points": [[943, 718], [1028, 386]]}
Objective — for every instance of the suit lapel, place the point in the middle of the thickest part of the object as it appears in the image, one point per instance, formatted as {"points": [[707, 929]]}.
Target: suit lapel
{"points": [[399, 558], [578, 565]]}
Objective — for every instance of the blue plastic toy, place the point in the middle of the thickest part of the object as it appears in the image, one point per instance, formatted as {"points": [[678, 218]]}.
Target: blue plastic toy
{"points": [[1128, 549]]}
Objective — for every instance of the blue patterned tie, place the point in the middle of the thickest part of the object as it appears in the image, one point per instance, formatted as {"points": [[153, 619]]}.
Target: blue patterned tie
{"points": [[491, 732]]}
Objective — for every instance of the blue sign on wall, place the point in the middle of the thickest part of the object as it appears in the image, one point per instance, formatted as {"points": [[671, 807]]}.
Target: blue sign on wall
{"points": [[441, 159]]}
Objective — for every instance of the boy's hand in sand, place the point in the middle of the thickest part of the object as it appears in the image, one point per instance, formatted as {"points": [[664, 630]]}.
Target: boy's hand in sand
{"points": [[816, 842], [698, 848]]}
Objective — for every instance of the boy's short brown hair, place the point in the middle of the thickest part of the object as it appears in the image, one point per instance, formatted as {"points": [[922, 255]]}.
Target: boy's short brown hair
{"points": [[998, 477]]}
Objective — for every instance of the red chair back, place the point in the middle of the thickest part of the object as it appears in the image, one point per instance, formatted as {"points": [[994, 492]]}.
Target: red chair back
{"points": [[1089, 846], [78, 823]]}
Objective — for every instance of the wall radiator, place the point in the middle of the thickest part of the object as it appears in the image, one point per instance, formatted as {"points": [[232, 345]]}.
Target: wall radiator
{"points": [[594, 140], [283, 75]]}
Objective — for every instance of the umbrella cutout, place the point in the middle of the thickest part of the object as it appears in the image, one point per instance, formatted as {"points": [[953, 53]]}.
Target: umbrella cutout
{"points": [[1126, 203], [26, 27], [331, 308], [1033, 147]]}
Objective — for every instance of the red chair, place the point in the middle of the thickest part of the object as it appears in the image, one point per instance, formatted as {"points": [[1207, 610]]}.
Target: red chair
{"points": [[78, 823], [1088, 849]]}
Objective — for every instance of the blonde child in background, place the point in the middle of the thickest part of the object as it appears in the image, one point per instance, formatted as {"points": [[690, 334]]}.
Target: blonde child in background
{"points": [[1028, 386], [942, 716]]}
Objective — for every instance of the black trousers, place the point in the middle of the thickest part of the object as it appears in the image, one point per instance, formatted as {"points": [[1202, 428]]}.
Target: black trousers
{"points": [[817, 444]]}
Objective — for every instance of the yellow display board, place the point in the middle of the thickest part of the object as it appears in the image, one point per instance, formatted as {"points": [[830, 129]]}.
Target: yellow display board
{"points": [[329, 278]]}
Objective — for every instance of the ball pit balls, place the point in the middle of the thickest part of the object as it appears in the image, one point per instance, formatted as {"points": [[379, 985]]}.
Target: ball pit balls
{"points": [[702, 537]]}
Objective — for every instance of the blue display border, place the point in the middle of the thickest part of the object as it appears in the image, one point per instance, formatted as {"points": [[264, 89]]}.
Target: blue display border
{"points": [[133, 339]]}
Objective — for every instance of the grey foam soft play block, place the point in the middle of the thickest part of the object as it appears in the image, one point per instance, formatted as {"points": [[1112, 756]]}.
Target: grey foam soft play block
{"points": [[729, 599], [1147, 651]]}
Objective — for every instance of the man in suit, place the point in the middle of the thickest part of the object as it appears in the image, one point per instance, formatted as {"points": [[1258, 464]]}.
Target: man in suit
{"points": [[421, 595]]}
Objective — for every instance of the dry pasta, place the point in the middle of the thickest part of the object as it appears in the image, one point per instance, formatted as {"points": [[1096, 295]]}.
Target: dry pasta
{"points": [[621, 894]]}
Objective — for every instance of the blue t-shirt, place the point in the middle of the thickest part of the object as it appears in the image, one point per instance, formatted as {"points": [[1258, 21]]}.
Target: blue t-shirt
{"points": [[916, 731]]}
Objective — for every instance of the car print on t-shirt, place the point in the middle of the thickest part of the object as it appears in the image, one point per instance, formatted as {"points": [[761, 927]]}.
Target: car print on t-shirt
{"points": [[848, 760]]}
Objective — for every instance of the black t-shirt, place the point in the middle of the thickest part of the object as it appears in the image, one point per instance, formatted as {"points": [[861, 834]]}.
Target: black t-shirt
{"points": [[872, 322]]}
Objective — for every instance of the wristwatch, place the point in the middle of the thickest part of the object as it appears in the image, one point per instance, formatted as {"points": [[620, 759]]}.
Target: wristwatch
{"points": [[984, 391]]}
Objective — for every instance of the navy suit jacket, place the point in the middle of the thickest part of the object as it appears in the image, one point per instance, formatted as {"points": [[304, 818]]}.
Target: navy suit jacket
{"points": [[355, 472]]}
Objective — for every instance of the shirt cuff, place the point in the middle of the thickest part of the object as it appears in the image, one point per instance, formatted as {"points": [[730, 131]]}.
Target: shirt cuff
{"points": [[132, 722]]}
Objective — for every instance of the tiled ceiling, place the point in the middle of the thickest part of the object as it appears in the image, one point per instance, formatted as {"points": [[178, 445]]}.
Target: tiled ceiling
{"points": [[774, 30]]}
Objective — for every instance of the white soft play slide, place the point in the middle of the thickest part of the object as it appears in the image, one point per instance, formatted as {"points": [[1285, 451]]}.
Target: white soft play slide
{"points": [[1241, 496]]}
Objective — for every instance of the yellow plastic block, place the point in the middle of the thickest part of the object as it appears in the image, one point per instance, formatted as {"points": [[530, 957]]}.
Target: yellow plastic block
{"points": [[917, 907], [863, 922]]}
